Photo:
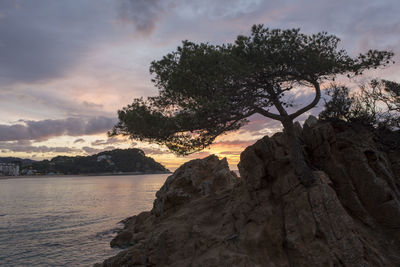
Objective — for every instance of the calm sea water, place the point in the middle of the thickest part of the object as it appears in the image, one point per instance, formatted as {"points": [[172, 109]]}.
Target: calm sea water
{"points": [[68, 221]]}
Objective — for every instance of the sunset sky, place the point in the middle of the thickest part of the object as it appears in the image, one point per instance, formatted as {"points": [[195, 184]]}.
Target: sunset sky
{"points": [[66, 67]]}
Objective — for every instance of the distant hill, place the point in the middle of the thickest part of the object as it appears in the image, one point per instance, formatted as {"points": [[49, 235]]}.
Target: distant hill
{"points": [[19, 161], [114, 161]]}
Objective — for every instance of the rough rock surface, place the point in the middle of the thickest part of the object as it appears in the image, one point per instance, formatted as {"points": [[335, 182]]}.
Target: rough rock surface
{"points": [[205, 216]]}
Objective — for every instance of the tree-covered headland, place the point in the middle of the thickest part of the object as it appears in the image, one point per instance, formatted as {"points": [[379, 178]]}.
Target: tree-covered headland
{"points": [[114, 161]]}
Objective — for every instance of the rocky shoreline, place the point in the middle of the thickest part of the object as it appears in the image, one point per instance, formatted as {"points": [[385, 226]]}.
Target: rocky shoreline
{"points": [[204, 215]]}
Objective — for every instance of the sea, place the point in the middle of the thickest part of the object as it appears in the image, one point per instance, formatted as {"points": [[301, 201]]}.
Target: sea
{"points": [[68, 221]]}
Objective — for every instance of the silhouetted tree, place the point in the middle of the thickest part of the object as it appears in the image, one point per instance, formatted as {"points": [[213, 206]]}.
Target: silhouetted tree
{"points": [[206, 90], [337, 107], [383, 99], [376, 104]]}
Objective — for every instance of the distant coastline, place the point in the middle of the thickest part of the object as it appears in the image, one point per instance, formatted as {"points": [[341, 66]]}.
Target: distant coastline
{"points": [[114, 162]]}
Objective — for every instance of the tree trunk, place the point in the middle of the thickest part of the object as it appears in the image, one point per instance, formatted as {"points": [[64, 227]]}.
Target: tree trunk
{"points": [[303, 171]]}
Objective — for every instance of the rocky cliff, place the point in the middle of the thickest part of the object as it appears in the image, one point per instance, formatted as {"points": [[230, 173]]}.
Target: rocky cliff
{"points": [[205, 216]]}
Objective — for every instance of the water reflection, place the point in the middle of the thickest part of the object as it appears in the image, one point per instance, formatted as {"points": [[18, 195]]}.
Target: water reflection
{"points": [[68, 220]]}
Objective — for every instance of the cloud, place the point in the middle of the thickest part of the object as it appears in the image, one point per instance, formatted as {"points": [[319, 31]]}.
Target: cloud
{"points": [[109, 141], [234, 143], [217, 9], [92, 105], [198, 155], [92, 150], [45, 129], [43, 39], [142, 14], [36, 101], [260, 126], [79, 140], [145, 14], [26, 147], [155, 151]]}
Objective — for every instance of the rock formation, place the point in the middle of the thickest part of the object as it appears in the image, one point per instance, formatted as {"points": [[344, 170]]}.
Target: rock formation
{"points": [[205, 216]]}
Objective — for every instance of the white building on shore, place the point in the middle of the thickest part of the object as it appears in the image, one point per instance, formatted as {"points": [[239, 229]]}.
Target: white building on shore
{"points": [[9, 169]]}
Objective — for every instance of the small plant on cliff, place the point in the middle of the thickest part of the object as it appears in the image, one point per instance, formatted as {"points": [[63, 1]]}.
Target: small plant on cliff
{"points": [[376, 104], [206, 90], [339, 103]]}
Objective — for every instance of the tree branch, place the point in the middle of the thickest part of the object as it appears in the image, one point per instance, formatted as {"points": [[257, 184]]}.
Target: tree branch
{"points": [[269, 114], [312, 104]]}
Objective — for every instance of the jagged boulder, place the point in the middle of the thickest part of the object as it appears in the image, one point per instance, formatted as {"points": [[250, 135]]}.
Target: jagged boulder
{"points": [[193, 180], [200, 177], [337, 221], [364, 175], [205, 216]]}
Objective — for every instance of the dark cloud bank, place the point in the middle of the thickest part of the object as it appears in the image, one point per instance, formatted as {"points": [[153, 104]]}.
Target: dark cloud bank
{"points": [[45, 39], [45, 129], [142, 14], [26, 147], [109, 141], [42, 40]]}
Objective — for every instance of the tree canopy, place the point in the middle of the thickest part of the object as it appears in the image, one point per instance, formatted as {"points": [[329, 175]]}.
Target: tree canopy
{"points": [[206, 90]]}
